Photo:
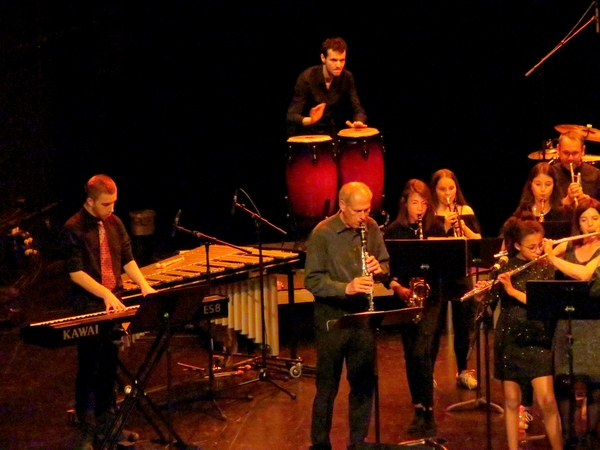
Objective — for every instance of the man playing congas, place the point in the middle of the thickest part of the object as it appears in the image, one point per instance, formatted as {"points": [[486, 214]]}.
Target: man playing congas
{"points": [[325, 96]]}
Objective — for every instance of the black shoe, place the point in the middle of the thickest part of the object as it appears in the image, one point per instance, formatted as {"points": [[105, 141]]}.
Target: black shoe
{"points": [[85, 436], [429, 429], [418, 422], [106, 422], [124, 437]]}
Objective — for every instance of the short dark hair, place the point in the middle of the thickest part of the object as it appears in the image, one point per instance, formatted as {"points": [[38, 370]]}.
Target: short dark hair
{"points": [[98, 185], [336, 44], [572, 135], [516, 229]]}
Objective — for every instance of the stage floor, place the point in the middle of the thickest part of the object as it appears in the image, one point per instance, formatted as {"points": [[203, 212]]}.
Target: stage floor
{"points": [[37, 389]]}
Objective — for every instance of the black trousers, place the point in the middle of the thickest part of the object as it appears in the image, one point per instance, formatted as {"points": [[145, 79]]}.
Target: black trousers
{"points": [[355, 347], [419, 341], [463, 322], [95, 382]]}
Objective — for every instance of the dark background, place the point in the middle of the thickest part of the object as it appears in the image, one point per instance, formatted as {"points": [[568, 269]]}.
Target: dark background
{"points": [[182, 102]]}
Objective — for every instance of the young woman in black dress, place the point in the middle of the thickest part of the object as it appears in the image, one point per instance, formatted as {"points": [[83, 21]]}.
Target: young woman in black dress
{"points": [[523, 347], [415, 221], [458, 219]]}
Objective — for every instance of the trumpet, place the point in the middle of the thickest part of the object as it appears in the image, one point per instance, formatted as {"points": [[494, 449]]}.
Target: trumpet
{"points": [[457, 227], [575, 179], [539, 212], [363, 257]]}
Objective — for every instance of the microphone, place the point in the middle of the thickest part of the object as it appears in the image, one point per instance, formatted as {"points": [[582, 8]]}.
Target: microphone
{"points": [[500, 263], [175, 223], [235, 194], [597, 17]]}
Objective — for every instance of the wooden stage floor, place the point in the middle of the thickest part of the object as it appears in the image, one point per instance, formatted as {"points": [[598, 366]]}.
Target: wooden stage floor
{"points": [[37, 390]]}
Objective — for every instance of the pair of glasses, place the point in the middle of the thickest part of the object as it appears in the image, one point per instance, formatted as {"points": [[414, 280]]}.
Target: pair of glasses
{"points": [[534, 247]]}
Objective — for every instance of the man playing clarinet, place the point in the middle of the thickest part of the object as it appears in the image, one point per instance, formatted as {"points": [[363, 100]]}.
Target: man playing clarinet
{"points": [[336, 263]]}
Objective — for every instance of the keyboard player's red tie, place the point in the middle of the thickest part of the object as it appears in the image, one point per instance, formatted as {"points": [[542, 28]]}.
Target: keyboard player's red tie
{"points": [[108, 275]]}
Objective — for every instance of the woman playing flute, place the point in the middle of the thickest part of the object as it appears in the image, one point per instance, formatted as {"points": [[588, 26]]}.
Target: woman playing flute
{"points": [[523, 347]]}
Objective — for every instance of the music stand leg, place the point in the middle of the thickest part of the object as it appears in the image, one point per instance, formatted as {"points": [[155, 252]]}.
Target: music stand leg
{"points": [[479, 401]]}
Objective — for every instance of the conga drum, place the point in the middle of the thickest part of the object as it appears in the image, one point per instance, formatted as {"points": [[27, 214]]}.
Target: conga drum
{"points": [[360, 158], [311, 176]]}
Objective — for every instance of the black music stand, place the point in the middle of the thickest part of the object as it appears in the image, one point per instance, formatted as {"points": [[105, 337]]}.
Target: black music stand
{"points": [[162, 311], [372, 320], [481, 254], [434, 259], [568, 300]]}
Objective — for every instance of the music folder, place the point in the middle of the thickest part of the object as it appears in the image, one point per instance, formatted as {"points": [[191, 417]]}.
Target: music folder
{"points": [[444, 258], [481, 251], [178, 306], [375, 319], [560, 299]]}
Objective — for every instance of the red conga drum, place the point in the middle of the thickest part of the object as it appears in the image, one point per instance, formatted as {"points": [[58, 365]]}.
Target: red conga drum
{"points": [[311, 176], [360, 158]]}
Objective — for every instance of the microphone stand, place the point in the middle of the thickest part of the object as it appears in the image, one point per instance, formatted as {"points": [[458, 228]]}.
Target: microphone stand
{"points": [[569, 36], [211, 393], [263, 374]]}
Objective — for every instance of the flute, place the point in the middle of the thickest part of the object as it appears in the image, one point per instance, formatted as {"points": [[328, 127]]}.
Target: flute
{"points": [[490, 283], [558, 241]]}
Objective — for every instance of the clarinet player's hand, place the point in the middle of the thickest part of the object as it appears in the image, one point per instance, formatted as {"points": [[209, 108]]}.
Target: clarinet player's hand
{"points": [[373, 266], [360, 285]]}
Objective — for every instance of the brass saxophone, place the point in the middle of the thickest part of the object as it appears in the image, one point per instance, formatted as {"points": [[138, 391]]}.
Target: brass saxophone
{"points": [[419, 291], [363, 257]]}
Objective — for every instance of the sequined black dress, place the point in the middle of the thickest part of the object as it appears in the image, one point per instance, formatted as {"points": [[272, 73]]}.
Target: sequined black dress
{"points": [[586, 339], [523, 347]]}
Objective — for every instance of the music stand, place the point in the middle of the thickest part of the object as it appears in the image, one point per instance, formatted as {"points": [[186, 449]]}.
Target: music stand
{"points": [[481, 254], [568, 300], [432, 258], [372, 320], [481, 251], [162, 311], [435, 260]]}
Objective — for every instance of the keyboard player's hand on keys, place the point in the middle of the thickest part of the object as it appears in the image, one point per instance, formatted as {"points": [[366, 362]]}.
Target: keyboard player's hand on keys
{"points": [[113, 304]]}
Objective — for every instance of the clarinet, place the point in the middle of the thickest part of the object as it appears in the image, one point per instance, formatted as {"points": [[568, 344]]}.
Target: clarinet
{"points": [[363, 256], [420, 225]]}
